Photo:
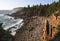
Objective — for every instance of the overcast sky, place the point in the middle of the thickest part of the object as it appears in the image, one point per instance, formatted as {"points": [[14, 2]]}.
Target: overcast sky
{"points": [[10, 4]]}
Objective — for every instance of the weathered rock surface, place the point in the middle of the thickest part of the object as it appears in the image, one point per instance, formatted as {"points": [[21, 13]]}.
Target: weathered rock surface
{"points": [[32, 31]]}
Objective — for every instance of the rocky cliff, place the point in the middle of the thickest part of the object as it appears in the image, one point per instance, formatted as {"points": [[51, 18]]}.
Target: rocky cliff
{"points": [[38, 29]]}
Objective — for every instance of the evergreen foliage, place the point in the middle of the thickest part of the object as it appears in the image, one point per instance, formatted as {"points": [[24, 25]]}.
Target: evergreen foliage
{"points": [[42, 10]]}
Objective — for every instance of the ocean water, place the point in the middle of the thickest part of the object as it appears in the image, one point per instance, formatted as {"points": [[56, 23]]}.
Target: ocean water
{"points": [[10, 23], [5, 11]]}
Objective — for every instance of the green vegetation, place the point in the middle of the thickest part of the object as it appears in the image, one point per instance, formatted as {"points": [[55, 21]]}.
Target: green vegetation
{"points": [[42, 10]]}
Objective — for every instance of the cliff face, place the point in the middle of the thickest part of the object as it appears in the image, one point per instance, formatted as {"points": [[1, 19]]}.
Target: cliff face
{"points": [[32, 31], [54, 25], [38, 29]]}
